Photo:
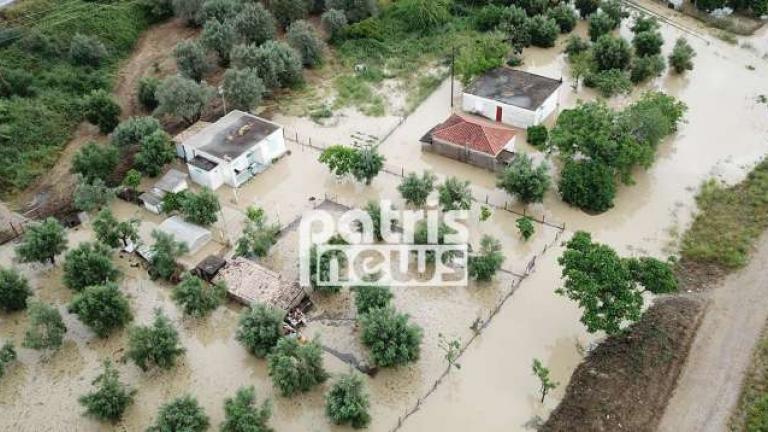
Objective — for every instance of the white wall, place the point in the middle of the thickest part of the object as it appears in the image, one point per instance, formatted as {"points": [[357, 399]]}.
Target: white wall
{"points": [[510, 115], [548, 107], [272, 147], [211, 179]]}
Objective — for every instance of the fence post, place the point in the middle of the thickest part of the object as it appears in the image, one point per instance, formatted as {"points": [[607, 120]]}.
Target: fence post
{"points": [[486, 198]]}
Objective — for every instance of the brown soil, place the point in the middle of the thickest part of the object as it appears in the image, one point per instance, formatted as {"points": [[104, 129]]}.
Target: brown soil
{"points": [[698, 276], [52, 194], [625, 383]]}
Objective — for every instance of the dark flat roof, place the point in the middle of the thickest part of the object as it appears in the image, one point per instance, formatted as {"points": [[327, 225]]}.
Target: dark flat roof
{"points": [[203, 163], [514, 87], [233, 135]]}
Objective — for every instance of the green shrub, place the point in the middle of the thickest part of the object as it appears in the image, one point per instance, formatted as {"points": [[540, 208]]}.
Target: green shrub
{"points": [[201, 208], [242, 415], [42, 242], [260, 327], [86, 50], [191, 60], [296, 367], [524, 181], [110, 398], [90, 196], [335, 23], [94, 161], [89, 264], [644, 68], [415, 190], [682, 56], [347, 402], [543, 31], [155, 345], [255, 24], [368, 297], [525, 227], [46, 329], [654, 275], [648, 43], [14, 290], [196, 298], [304, 39], [7, 355], [165, 250], [102, 110], [564, 16], [612, 52], [609, 82], [392, 339], [146, 92], [133, 131], [103, 308], [182, 414], [219, 37], [155, 151], [537, 135], [484, 264], [588, 185], [288, 11]]}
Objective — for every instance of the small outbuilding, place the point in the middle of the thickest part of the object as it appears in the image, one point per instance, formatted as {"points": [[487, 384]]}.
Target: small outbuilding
{"points": [[513, 97], [249, 282], [232, 150], [472, 140], [174, 181], [193, 235]]}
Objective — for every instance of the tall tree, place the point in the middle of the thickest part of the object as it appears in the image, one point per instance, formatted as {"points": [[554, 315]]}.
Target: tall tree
{"points": [[347, 402], [46, 327], [295, 367], [523, 180], [89, 264], [110, 397], [103, 308], [42, 242], [155, 345]]}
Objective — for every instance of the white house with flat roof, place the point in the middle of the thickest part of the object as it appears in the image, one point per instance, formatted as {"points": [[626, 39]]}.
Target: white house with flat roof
{"points": [[512, 97], [232, 150]]}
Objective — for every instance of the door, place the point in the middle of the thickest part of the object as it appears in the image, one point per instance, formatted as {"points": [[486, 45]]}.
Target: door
{"points": [[498, 113]]}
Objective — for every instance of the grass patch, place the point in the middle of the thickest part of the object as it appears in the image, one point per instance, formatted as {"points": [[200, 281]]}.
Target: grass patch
{"points": [[752, 409], [35, 124], [729, 221], [727, 37], [356, 90]]}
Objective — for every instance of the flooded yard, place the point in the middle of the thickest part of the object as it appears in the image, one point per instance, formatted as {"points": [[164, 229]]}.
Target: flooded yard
{"points": [[726, 131]]}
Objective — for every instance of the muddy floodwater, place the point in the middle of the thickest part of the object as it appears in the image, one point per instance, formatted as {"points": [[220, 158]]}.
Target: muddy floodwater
{"points": [[726, 131]]}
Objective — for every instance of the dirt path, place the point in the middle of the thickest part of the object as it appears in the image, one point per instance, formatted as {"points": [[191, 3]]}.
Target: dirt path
{"points": [[710, 384], [151, 56]]}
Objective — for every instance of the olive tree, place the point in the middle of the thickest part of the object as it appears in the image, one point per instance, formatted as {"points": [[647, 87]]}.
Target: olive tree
{"points": [[89, 264], [191, 60], [415, 190], [586, 7], [369, 297], [261, 326], [255, 24], [164, 251], [196, 297], [391, 338], [155, 151], [189, 10], [242, 415], [181, 414], [14, 290], [347, 402], [484, 264], [543, 31], [258, 235], [525, 227], [243, 88], [564, 16], [599, 24], [588, 185], [46, 328], [523, 180], [112, 232], [288, 11], [610, 52], [154, 345], [303, 37], [94, 161], [201, 208], [184, 98], [86, 50], [334, 22], [455, 194], [219, 37], [355, 10], [93, 195], [103, 308], [110, 397], [648, 43], [42, 242], [220, 10], [100, 109], [131, 132], [296, 367], [682, 56]]}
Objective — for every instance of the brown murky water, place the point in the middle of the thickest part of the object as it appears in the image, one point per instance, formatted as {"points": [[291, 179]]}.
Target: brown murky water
{"points": [[494, 390]]}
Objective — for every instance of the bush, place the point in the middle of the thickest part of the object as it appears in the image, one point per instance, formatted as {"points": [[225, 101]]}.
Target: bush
{"points": [[94, 161], [182, 414], [90, 196], [191, 60], [543, 31], [599, 24], [164, 252], [132, 131], [190, 10], [644, 23], [103, 308], [295, 367], [255, 24], [243, 89], [644, 68], [654, 275], [455, 194], [393, 341], [89, 264], [288, 11], [42, 242], [146, 92], [356, 10], [86, 50], [609, 82], [196, 298], [757, 415], [184, 98], [486, 53], [424, 15], [347, 402], [7, 355], [522, 180], [415, 190], [588, 185], [278, 64], [525, 227], [682, 56], [242, 415], [368, 297], [201, 208], [46, 328], [537, 135], [155, 345], [16, 82], [575, 45], [14, 290], [102, 110], [110, 398], [258, 236], [484, 265], [586, 7], [220, 38], [302, 36], [648, 43], [334, 22], [612, 53], [220, 10], [260, 328], [564, 16], [155, 152]]}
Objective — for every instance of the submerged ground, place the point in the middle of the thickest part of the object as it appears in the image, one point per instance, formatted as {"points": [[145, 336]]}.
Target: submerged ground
{"points": [[726, 132]]}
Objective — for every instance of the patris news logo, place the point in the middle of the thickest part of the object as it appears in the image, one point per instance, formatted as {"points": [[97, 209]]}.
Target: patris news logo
{"points": [[383, 246]]}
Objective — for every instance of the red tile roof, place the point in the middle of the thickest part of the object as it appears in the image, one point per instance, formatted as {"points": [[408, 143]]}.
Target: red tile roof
{"points": [[474, 134]]}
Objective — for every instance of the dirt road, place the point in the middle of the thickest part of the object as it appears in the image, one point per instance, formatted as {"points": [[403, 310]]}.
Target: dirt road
{"points": [[710, 384]]}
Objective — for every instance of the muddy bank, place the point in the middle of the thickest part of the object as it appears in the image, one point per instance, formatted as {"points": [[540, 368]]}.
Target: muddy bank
{"points": [[625, 383]]}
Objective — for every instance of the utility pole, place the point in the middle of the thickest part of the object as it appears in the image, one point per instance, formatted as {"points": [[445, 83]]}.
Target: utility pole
{"points": [[453, 71]]}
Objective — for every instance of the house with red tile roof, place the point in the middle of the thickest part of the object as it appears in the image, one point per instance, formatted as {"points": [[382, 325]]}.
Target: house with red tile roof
{"points": [[472, 140]]}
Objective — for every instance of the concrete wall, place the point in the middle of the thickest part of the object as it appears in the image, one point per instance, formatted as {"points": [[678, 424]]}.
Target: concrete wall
{"points": [[548, 107], [511, 115], [212, 179], [471, 157]]}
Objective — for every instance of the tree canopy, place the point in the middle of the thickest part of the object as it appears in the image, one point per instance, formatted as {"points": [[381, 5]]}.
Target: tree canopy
{"points": [[181, 414], [260, 327], [347, 401], [296, 367], [242, 415], [14, 290], [154, 345], [523, 180], [103, 308], [415, 190], [89, 264], [455, 194], [42, 242], [196, 297], [110, 397], [484, 264], [46, 328], [392, 339]]}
